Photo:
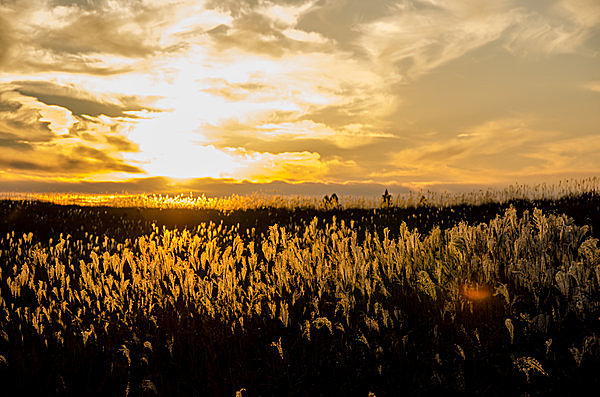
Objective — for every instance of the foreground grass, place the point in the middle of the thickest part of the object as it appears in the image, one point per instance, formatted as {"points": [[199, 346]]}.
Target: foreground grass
{"points": [[503, 307]]}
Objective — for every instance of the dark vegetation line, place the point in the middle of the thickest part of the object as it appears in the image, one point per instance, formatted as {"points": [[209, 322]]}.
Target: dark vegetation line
{"points": [[46, 220]]}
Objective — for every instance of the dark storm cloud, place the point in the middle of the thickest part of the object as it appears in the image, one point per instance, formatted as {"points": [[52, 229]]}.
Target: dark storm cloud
{"points": [[77, 101]]}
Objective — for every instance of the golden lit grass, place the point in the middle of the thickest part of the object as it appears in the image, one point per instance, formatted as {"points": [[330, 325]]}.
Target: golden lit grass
{"points": [[564, 188], [215, 272], [516, 275]]}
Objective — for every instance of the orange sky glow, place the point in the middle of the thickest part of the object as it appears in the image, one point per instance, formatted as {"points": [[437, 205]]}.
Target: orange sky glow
{"points": [[148, 95]]}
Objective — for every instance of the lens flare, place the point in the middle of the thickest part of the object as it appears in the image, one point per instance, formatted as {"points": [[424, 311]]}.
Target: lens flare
{"points": [[475, 293]]}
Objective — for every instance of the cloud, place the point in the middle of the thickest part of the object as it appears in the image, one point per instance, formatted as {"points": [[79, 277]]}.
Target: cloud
{"points": [[298, 134], [210, 187], [9, 106], [558, 27], [92, 37], [289, 166], [8, 140], [228, 187], [492, 152], [60, 159], [333, 91], [241, 7], [121, 143], [122, 32], [68, 164], [49, 185], [80, 102], [235, 91], [414, 38], [420, 37], [259, 33], [23, 119], [569, 154], [341, 20], [592, 86], [354, 105], [583, 12], [5, 40], [56, 141]]}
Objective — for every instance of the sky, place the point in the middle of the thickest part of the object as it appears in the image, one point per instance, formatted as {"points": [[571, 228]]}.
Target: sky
{"points": [[297, 96]]}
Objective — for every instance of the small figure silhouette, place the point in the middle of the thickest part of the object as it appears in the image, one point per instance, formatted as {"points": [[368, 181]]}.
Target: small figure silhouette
{"points": [[325, 202], [330, 203], [334, 201], [386, 199]]}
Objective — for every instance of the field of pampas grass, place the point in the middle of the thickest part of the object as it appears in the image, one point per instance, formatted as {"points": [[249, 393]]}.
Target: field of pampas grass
{"points": [[499, 298]]}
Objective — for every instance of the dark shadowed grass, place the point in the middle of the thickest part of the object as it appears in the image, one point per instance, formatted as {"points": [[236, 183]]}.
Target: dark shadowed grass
{"points": [[489, 299]]}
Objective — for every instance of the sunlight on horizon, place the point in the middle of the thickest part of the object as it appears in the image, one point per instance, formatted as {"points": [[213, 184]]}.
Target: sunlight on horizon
{"points": [[315, 92]]}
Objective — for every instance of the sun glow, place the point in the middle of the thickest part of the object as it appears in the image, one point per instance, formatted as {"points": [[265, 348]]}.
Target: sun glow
{"points": [[200, 92], [320, 92], [177, 159]]}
